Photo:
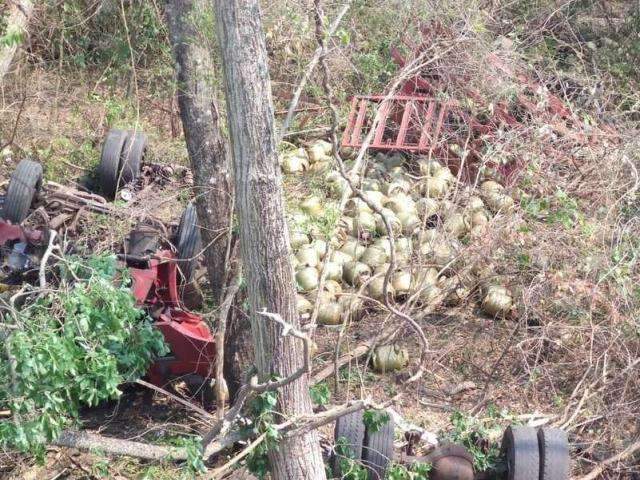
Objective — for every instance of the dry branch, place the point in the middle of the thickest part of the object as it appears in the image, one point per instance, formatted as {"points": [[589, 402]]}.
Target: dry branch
{"points": [[602, 466]]}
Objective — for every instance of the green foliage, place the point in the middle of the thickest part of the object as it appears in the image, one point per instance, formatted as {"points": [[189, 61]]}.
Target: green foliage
{"points": [[12, 37], [559, 209], [375, 67], [416, 471], [262, 411], [320, 394], [72, 348], [193, 447], [469, 431], [374, 420], [350, 468]]}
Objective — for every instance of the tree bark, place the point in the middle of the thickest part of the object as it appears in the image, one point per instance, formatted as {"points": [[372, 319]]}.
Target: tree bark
{"points": [[208, 151], [17, 19], [264, 237]]}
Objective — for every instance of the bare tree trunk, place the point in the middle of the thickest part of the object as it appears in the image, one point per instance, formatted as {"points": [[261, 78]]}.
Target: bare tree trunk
{"points": [[201, 124], [264, 237], [17, 20]]}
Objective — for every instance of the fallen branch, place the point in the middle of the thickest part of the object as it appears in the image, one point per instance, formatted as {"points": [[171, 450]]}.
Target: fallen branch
{"points": [[326, 372], [176, 398], [602, 466], [116, 446]]}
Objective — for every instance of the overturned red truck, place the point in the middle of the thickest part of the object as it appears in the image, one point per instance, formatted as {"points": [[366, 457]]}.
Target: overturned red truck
{"points": [[160, 269]]}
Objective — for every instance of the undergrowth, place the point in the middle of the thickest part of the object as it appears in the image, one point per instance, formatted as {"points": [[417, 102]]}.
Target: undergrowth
{"points": [[72, 347]]}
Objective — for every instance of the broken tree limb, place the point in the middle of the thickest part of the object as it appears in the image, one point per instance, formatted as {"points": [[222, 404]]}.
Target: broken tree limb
{"points": [[17, 21], [116, 446]]}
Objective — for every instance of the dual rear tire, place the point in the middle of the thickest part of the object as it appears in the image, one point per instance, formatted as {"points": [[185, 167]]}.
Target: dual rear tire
{"points": [[123, 153], [373, 449], [532, 454]]}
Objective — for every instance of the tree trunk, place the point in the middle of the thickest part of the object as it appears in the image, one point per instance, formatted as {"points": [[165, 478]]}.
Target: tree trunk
{"points": [[264, 237], [238, 351], [207, 147], [17, 19]]}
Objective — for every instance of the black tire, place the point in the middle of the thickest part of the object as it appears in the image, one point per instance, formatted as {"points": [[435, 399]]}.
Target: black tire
{"points": [[188, 242], [109, 168], [377, 451], [351, 428], [25, 183], [133, 153], [555, 460], [520, 447], [200, 389]]}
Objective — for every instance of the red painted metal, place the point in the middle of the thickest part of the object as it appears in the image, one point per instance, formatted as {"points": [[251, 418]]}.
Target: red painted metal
{"points": [[10, 232], [191, 342], [404, 122]]}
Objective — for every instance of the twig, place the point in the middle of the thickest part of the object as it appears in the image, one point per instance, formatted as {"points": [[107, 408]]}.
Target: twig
{"points": [[181, 401], [318, 420], [602, 466], [287, 329], [45, 258], [15, 124], [310, 67], [245, 451]]}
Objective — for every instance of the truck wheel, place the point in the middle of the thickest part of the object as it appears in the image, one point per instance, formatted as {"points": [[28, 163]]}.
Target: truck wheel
{"points": [[133, 153], [520, 446], [188, 242], [25, 183], [554, 454], [350, 428], [377, 451], [109, 168]]}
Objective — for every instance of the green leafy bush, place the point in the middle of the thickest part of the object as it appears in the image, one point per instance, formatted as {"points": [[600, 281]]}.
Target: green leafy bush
{"points": [[415, 471], [72, 348], [470, 432]]}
